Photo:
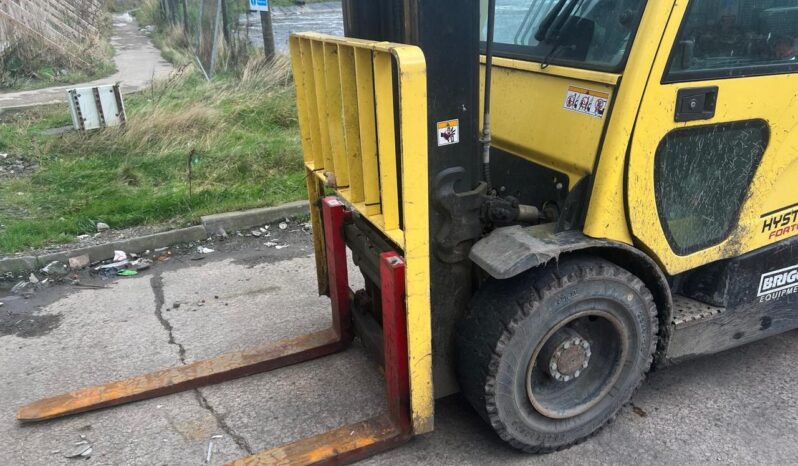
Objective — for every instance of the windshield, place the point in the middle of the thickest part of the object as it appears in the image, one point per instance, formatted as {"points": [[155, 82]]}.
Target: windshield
{"points": [[594, 34]]}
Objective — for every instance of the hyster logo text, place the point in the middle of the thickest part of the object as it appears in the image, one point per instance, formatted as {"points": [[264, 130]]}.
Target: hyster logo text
{"points": [[774, 285], [777, 225]]}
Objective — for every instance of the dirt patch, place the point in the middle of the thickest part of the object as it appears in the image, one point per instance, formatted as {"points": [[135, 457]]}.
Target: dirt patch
{"points": [[14, 166], [28, 326]]}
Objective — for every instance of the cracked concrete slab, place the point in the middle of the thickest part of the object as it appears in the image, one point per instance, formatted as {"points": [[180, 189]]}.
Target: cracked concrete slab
{"points": [[739, 407], [103, 335], [254, 304], [258, 304]]}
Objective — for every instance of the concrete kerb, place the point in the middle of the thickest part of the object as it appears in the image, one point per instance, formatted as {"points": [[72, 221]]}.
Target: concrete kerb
{"points": [[211, 224], [232, 221]]}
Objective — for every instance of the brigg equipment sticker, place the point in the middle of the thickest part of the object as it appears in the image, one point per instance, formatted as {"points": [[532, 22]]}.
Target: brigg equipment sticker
{"points": [[777, 284]]}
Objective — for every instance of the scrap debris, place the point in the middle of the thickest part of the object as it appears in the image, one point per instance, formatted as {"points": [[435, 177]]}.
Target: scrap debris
{"points": [[55, 269], [639, 411], [20, 287], [80, 449], [129, 264], [209, 454], [79, 262], [141, 264]]}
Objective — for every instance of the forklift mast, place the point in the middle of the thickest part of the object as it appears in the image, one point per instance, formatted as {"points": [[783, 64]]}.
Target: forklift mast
{"points": [[447, 31]]}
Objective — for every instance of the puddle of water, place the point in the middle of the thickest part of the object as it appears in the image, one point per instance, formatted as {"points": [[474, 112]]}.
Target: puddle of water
{"points": [[326, 18]]}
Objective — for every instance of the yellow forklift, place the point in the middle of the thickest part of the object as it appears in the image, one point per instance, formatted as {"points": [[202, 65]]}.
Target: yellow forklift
{"points": [[546, 199]]}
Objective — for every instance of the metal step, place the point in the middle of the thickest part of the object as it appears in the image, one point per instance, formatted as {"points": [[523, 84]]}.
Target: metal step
{"points": [[688, 311]]}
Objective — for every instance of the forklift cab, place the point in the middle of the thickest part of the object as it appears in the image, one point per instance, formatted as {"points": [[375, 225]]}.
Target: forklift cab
{"points": [[654, 138]]}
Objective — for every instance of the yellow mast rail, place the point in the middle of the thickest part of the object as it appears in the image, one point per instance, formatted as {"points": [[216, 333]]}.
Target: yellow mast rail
{"points": [[349, 94]]}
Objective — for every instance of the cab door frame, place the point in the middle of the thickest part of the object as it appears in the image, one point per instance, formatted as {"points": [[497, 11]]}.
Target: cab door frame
{"points": [[745, 98]]}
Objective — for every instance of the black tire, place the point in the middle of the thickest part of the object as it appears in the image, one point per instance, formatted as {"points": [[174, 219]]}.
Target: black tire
{"points": [[508, 323]]}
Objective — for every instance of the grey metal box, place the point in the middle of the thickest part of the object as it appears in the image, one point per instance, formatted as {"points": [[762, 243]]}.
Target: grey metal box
{"points": [[96, 107]]}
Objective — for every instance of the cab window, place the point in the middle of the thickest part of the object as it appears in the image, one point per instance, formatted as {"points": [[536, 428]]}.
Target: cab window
{"points": [[592, 34], [731, 38]]}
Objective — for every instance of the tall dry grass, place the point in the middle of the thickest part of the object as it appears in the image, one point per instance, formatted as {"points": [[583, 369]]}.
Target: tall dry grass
{"points": [[184, 112], [55, 48]]}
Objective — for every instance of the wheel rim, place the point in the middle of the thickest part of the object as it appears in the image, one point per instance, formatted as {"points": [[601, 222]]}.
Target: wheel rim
{"points": [[576, 364]]}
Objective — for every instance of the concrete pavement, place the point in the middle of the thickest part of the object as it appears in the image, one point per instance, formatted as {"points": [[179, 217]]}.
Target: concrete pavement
{"points": [[740, 407], [137, 61]]}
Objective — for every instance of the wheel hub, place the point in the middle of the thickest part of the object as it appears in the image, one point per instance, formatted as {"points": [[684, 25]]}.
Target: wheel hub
{"points": [[577, 364], [570, 359]]}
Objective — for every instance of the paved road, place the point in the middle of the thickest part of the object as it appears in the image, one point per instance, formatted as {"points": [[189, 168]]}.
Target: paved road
{"points": [[138, 62], [740, 407]]}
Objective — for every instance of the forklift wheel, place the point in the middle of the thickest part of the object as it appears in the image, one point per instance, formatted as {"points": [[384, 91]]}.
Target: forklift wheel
{"points": [[550, 357]]}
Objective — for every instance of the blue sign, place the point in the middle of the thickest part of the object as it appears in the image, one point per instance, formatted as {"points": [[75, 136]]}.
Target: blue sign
{"points": [[259, 5]]}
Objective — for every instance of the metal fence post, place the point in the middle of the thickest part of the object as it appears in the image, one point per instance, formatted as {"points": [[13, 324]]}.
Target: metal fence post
{"points": [[214, 46], [268, 33]]}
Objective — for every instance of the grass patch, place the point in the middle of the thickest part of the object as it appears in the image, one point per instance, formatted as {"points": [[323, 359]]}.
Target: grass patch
{"points": [[238, 136], [29, 64]]}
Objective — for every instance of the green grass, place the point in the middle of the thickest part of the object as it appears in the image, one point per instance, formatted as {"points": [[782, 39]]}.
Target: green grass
{"points": [[243, 134], [48, 76]]}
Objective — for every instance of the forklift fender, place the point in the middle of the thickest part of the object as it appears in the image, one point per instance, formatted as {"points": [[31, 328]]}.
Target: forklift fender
{"points": [[511, 251]]}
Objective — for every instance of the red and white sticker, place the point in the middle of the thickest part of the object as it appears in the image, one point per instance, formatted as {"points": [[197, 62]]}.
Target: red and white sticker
{"points": [[448, 132], [580, 100]]}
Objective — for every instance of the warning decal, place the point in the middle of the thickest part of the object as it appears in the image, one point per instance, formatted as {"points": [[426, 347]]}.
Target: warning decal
{"points": [[585, 101], [448, 132]]}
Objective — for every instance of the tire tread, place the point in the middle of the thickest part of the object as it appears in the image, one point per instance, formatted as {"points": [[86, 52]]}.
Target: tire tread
{"points": [[490, 324]]}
